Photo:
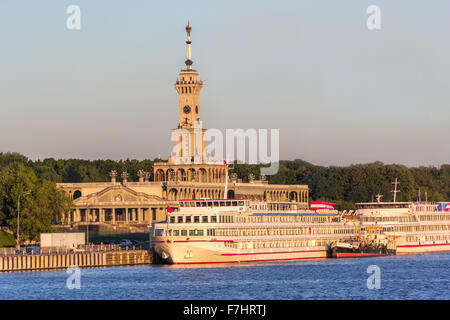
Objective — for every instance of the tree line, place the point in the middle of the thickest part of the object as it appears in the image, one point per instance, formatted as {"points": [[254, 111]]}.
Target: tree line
{"points": [[343, 185]]}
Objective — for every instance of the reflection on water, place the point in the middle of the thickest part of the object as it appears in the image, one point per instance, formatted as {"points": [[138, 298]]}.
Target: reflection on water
{"points": [[402, 277]]}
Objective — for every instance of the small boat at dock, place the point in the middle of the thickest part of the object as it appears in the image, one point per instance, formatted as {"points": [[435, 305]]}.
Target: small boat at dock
{"points": [[359, 249]]}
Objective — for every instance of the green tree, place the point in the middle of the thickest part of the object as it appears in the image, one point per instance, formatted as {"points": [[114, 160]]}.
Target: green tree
{"points": [[38, 210]]}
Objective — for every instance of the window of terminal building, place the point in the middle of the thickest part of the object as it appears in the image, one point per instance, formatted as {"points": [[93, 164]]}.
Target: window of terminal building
{"points": [[222, 203], [196, 219], [172, 219], [180, 219], [200, 232], [216, 203], [209, 204], [203, 204], [197, 204], [205, 219], [188, 219], [176, 233], [183, 232], [213, 219]]}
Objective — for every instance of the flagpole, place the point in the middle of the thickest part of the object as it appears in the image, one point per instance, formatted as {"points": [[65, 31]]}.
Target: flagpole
{"points": [[225, 191], [167, 221]]}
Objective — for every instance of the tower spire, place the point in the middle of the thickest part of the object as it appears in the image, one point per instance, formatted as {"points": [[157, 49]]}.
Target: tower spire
{"points": [[188, 43]]}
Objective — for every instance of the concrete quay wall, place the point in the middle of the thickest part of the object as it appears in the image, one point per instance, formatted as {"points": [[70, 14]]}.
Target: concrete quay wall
{"points": [[83, 260]]}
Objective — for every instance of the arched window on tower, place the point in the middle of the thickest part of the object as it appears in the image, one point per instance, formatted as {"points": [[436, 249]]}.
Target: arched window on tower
{"points": [[189, 89], [196, 109]]}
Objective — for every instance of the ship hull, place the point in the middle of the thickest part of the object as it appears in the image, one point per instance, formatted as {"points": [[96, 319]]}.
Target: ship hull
{"points": [[207, 252], [422, 248], [340, 255]]}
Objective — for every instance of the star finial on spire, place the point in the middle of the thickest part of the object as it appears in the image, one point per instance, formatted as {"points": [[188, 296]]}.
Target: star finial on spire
{"points": [[188, 29], [188, 42]]}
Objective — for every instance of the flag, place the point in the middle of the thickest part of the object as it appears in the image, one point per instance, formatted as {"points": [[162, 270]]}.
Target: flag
{"points": [[225, 163], [169, 209], [443, 206]]}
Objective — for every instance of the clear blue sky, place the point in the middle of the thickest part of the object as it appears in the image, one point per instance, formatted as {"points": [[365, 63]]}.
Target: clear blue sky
{"points": [[339, 93]]}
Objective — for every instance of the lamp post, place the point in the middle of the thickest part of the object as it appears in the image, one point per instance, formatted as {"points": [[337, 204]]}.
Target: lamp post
{"points": [[18, 217], [87, 225]]}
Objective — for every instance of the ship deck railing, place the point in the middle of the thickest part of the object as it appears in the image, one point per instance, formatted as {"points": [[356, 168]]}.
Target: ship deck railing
{"points": [[334, 237]]}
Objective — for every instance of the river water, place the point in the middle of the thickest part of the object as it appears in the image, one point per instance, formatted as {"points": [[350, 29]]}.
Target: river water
{"points": [[400, 277]]}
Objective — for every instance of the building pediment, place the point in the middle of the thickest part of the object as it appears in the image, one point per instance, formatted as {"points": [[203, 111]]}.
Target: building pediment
{"points": [[118, 194]]}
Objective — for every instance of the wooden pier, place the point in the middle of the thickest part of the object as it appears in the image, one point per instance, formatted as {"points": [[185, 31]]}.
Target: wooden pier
{"points": [[35, 262]]}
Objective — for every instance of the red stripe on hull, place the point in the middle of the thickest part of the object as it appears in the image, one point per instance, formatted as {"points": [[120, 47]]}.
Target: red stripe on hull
{"points": [[283, 259], [250, 260], [356, 255], [203, 241], [423, 245], [253, 253], [205, 262]]}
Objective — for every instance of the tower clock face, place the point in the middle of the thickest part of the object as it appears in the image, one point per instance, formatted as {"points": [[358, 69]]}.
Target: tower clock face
{"points": [[187, 109]]}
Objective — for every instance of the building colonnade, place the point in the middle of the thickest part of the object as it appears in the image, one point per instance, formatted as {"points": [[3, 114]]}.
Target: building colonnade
{"points": [[286, 195], [115, 215], [205, 175]]}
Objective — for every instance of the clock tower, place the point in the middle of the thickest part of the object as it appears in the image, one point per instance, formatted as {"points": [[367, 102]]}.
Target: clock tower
{"points": [[189, 143], [188, 87]]}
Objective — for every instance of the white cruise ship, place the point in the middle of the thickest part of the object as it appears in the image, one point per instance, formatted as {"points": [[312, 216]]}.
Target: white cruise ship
{"points": [[413, 227], [239, 230]]}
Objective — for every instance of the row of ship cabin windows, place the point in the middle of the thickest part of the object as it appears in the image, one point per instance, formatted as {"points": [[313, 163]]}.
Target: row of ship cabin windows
{"points": [[255, 232], [192, 233], [277, 244], [434, 217], [392, 218], [231, 219], [202, 219], [211, 203], [445, 238]]}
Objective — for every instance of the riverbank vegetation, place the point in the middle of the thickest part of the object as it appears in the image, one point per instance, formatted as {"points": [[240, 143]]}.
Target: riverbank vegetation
{"points": [[343, 185], [23, 190]]}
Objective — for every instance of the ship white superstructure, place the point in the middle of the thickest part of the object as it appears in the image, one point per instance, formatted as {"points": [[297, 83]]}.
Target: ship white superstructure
{"points": [[239, 230]]}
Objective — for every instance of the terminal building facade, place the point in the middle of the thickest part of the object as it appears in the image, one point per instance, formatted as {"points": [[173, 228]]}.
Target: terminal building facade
{"points": [[189, 173]]}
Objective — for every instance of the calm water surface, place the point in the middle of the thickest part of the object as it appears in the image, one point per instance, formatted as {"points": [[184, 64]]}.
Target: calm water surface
{"points": [[402, 277]]}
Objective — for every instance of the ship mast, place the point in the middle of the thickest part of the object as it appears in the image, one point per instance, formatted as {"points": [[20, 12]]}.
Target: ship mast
{"points": [[395, 191], [379, 196]]}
